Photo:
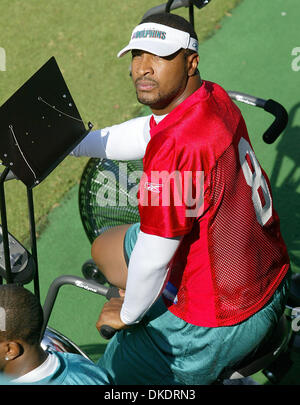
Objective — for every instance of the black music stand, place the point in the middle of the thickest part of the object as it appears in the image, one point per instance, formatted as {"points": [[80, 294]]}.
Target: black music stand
{"points": [[39, 126]]}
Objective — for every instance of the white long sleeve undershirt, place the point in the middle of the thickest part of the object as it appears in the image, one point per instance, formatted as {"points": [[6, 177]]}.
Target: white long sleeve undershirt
{"points": [[148, 265], [147, 274], [126, 141]]}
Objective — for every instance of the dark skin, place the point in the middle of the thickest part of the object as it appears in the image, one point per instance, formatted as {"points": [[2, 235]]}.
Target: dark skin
{"points": [[162, 83], [18, 358]]}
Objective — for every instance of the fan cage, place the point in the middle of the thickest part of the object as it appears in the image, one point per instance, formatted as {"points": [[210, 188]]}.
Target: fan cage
{"points": [[107, 194]]}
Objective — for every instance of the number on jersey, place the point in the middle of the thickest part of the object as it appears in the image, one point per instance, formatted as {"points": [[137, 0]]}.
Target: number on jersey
{"points": [[254, 177]]}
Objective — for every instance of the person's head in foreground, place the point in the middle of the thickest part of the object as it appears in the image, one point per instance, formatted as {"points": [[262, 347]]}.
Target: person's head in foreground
{"points": [[21, 321], [165, 59]]}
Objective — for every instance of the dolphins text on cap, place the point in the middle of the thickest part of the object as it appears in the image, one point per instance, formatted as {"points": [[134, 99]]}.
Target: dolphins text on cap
{"points": [[149, 34]]}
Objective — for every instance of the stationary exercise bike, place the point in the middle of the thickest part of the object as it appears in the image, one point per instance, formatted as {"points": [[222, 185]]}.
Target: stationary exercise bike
{"points": [[101, 210]]}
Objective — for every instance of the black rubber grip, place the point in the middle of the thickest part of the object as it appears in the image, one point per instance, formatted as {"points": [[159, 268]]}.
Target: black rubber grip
{"points": [[107, 332], [280, 123], [113, 292]]}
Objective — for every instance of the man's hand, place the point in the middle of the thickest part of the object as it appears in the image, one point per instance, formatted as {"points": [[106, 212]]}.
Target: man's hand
{"points": [[110, 314]]}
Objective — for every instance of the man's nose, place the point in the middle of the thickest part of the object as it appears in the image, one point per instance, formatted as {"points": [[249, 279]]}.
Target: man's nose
{"points": [[145, 65]]}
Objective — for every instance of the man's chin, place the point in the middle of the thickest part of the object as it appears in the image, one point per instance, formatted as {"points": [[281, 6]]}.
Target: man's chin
{"points": [[155, 103], [146, 100]]}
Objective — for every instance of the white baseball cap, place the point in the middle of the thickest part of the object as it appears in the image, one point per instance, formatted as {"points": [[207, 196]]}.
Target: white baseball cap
{"points": [[159, 39]]}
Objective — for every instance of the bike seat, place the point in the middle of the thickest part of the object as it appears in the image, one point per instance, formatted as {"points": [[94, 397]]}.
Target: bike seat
{"points": [[264, 354]]}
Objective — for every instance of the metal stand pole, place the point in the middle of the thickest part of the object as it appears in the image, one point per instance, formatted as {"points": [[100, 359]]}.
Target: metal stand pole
{"points": [[4, 227], [191, 14], [33, 241], [168, 6]]}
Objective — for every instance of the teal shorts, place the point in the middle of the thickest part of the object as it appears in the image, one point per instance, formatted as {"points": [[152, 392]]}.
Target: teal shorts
{"points": [[165, 350]]}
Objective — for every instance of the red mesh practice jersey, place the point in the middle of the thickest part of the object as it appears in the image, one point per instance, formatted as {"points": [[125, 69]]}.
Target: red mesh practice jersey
{"points": [[202, 180]]}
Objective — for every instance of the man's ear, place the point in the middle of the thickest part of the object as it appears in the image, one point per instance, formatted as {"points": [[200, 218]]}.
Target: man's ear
{"points": [[13, 350], [193, 61]]}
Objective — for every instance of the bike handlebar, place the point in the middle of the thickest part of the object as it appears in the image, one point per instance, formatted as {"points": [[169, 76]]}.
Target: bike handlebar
{"points": [[106, 331], [270, 106], [280, 122], [171, 6]]}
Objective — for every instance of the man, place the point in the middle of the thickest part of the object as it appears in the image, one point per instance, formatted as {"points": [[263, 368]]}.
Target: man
{"points": [[23, 360], [206, 279]]}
